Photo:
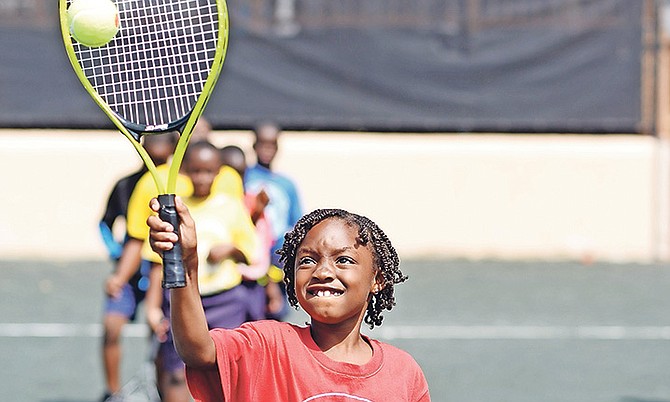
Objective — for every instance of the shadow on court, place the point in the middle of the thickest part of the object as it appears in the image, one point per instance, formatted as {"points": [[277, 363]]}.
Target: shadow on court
{"points": [[482, 331], [643, 400], [66, 400]]}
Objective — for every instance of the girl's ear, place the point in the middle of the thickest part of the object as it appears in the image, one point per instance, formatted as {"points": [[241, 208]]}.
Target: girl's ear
{"points": [[379, 283]]}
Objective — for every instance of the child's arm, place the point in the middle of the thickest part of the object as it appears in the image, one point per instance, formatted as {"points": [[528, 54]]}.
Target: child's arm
{"points": [[113, 210], [153, 301], [244, 241], [222, 252], [187, 317], [114, 248], [126, 267]]}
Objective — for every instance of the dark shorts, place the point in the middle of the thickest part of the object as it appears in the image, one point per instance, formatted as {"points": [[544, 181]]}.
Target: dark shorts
{"points": [[228, 309], [132, 294]]}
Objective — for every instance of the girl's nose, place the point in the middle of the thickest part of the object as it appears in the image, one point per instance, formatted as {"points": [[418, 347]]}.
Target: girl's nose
{"points": [[324, 270]]}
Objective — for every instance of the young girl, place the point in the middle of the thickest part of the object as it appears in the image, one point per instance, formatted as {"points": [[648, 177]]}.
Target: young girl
{"points": [[340, 268]]}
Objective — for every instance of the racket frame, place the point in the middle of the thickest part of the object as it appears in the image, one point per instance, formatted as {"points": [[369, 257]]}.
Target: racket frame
{"points": [[133, 132], [173, 269]]}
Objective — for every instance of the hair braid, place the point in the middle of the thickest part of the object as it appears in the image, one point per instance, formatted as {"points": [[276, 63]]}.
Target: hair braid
{"points": [[384, 255]]}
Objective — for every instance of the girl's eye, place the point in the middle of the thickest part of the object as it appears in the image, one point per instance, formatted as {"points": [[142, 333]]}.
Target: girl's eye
{"points": [[306, 261], [345, 260]]}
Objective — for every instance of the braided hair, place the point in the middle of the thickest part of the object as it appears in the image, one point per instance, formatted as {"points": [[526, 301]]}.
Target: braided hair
{"points": [[384, 256]]}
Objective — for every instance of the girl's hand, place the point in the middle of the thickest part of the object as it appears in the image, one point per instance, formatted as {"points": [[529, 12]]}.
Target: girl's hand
{"points": [[162, 236]]}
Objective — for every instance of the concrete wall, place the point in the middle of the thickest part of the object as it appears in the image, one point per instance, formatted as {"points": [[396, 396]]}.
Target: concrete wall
{"points": [[460, 196]]}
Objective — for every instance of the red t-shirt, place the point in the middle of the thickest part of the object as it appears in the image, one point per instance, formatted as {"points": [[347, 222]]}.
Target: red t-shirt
{"points": [[276, 361]]}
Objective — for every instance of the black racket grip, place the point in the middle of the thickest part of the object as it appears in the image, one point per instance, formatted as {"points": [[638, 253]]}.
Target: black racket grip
{"points": [[174, 275]]}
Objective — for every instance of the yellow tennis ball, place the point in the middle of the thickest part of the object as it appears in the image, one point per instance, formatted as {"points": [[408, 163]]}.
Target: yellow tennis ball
{"points": [[93, 23]]}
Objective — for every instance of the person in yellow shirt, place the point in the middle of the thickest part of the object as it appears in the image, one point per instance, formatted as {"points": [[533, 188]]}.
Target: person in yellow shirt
{"points": [[227, 238]]}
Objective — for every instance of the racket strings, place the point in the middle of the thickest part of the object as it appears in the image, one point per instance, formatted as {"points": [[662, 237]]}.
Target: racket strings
{"points": [[154, 70]]}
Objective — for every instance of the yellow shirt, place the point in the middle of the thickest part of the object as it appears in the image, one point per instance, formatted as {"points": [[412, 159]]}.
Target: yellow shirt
{"points": [[228, 181], [138, 206], [221, 219]]}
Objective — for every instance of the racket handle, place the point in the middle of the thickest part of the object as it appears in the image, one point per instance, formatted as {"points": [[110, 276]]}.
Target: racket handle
{"points": [[174, 275]]}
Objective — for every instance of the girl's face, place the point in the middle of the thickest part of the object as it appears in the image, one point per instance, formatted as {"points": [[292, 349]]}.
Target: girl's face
{"points": [[334, 273], [202, 167]]}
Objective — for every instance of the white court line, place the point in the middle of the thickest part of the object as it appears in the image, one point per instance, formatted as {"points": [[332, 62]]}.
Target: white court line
{"points": [[524, 332], [65, 330], [436, 332]]}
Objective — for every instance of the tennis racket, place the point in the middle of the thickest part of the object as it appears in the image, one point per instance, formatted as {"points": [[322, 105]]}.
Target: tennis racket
{"points": [[155, 76]]}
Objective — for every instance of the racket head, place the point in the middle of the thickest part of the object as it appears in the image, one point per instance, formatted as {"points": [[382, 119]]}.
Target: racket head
{"points": [[156, 75], [150, 77]]}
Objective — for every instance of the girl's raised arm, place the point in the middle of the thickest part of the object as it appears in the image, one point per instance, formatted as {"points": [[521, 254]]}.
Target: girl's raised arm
{"points": [[187, 316]]}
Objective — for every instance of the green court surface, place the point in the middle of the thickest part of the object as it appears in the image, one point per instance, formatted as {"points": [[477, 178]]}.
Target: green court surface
{"points": [[482, 331]]}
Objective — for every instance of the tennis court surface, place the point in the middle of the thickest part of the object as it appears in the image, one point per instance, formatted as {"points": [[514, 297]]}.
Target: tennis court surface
{"points": [[482, 331]]}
